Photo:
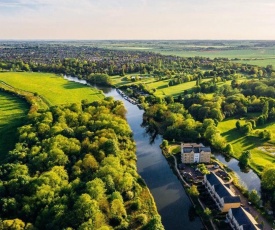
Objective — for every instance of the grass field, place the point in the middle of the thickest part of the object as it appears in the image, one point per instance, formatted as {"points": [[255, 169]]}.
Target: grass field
{"points": [[52, 88], [13, 110], [249, 51], [261, 57], [259, 62], [125, 80], [260, 153], [160, 86]]}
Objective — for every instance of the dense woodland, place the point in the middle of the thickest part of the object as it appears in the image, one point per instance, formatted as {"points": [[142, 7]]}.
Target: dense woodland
{"points": [[74, 167]]}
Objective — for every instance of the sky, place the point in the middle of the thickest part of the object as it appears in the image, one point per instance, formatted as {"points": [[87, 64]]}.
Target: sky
{"points": [[137, 19]]}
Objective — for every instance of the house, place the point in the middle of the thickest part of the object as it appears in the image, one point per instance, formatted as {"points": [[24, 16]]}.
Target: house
{"points": [[195, 153], [224, 198], [240, 219]]}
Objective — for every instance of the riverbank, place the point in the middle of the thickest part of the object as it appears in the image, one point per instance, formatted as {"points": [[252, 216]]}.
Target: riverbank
{"points": [[234, 186], [197, 204], [171, 200]]}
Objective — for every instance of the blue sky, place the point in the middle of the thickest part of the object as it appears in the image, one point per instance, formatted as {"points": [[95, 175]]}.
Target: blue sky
{"points": [[137, 19]]}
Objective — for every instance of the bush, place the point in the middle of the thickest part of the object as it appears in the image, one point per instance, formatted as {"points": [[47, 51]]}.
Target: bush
{"points": [[142, 219], [136, 205]]}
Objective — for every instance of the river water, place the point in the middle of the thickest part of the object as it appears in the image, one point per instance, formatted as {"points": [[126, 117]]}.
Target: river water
{"points": [[172, 202], [248, 179]]}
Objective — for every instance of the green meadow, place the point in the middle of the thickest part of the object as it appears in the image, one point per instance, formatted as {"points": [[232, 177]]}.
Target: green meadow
{"points": [[52, 88], [118, 81], [261, 150], [13, 111], [250, 53], [161, 87]]}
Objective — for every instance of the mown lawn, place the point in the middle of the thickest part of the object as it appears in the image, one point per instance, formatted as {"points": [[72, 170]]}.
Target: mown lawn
{"points": [[126, 80], [251, 142], [162, 88], [54, 89], [13, 111]]}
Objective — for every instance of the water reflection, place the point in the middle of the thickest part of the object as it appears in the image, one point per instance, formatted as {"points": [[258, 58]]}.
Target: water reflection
{"points": [[104, 89], [248, 178], [192, 213]]}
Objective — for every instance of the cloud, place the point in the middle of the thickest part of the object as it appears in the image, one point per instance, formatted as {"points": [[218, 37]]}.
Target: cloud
{"points": [[107, 19]]}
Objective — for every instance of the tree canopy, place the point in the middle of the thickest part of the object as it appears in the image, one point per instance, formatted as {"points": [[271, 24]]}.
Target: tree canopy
{"points": [[74, 167]]}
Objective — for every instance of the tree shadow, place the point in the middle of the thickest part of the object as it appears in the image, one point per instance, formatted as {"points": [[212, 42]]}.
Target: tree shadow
{"points": [[251, 142], [73, 85], [232, 135]]}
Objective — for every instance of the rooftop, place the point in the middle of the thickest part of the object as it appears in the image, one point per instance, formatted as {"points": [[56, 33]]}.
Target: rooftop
{"points": [[223, 190], [196, 148], [245, 219]]}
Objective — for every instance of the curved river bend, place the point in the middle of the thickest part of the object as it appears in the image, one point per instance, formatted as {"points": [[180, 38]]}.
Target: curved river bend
{"points": [[169, 195]]}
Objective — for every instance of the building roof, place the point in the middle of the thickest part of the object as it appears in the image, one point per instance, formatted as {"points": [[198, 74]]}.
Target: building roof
{"points": [[222, 189], [187, 149], [245, 219], [192, 145], [196, 148], [213, 179], [231, 199], [205, 149]]}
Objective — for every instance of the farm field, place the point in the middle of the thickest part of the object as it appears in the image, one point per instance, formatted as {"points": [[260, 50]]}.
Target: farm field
{"points": [[260, 62], [261, 151], [52, 88], [260, 53], [13, 110]]}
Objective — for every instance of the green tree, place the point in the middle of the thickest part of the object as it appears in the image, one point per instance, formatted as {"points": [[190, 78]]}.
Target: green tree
{"points": [[96, 189], [207, 213], [229, 149], [13, 224], [164, 144], [203, 169], [247, 128], [118, 211], [85, 208], [254, 197], [244, 159], [193, 191], [268, 178]]}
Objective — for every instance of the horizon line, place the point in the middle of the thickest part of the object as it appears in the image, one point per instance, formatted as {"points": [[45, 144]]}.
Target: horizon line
{"points": [[116, 39]]}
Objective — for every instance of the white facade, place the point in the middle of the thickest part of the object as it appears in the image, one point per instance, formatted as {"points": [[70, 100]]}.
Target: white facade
{"points": [[196, 157]]}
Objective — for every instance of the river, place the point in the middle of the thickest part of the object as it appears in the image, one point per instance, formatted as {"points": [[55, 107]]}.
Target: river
{"points": [[169, 195], [171, 200], [248, 179]]}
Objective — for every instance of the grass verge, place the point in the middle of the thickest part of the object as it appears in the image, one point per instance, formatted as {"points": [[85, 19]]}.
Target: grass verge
{"points": [[13, 111]]}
